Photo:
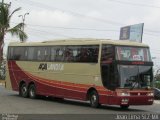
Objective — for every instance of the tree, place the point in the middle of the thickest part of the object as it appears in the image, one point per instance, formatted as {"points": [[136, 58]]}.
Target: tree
{"points": [[157, 79], [5, 19]]}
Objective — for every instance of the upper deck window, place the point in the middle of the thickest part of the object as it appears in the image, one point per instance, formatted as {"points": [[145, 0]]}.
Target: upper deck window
{"points": [[132, 54]]}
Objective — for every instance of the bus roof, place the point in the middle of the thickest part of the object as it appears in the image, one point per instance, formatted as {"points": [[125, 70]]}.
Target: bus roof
{"points": [[84, 41]]}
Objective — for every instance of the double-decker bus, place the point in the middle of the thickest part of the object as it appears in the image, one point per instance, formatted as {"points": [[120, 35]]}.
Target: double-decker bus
{"points": [[110, 72]]}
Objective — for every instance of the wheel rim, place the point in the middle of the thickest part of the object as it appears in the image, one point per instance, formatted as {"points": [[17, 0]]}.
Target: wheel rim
{"points": [[32, 92], [24, 90], [93, 99]]}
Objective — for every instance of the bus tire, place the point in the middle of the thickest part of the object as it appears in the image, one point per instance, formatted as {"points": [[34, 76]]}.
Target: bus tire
{"points": [[94, 99], [32, 91], [124, 107], [23, 91]]}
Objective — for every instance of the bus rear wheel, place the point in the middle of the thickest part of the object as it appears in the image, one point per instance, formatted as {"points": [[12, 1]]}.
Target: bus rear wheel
{"points": [[23, 91], [32, 91], [94, 99]]}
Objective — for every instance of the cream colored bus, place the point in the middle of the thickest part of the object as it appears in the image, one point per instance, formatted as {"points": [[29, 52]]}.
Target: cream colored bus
{"points": [[110, 72]]}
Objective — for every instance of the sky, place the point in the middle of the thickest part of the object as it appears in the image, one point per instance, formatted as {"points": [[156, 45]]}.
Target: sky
{"points": [[56, 19]]}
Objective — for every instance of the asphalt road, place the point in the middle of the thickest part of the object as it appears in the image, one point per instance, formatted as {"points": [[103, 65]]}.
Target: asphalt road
{"points": [[11, 103]]}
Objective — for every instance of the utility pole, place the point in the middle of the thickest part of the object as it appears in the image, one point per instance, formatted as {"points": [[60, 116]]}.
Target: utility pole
{"points": [[23, 20]]}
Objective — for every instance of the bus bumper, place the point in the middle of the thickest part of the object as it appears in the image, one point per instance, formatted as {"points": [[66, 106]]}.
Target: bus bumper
{"points": [[129, 100]]}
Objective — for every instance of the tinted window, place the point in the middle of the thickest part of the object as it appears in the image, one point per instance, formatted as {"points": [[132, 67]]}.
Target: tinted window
{"points": [[59, 56], [42, 54], [135, 76], [132, 54], [31, 53], [69, 56], [53, 54], [107, 53], [80, 53], [10, 53], [18, 53]]}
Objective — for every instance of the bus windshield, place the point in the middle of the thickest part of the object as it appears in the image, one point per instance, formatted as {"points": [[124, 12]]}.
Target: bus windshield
{"points": [[131, 76], [132, 54]]}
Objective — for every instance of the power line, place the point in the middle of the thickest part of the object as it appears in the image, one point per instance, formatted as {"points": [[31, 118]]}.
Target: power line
{"points": [[87, 29], [151, 34], [74, 28], [155, 31], [135, 4], [155, 50], [62, 35], [92, 29], [58, 34], [37, 34], [40, 5]]}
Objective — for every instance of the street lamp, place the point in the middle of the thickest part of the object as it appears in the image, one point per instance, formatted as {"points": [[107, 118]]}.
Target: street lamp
{"points": [[23, 19]]}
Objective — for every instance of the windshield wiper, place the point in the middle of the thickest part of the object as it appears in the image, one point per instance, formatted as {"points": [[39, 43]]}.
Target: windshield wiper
{"points": [[135, 85]]}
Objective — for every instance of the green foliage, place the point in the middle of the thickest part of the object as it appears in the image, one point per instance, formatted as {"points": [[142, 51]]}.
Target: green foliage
{"points": [[157, 80], [2, 72], [5, 18], [157, 85]]}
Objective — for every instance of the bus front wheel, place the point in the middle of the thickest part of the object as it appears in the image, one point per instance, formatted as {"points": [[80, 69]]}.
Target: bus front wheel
{"points": [[32, 91], [23, 90], [94, 99]]}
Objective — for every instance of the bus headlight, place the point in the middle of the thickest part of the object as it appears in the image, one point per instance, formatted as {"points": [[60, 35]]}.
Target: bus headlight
{"points": [[150, 94], [124, 94]]}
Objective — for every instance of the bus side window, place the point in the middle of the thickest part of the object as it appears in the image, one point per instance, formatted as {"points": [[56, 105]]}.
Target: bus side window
{"points": [[31, 53], [19, 53], [107, 53], [42, 54], [38, 55], [84, 54], [75, 51], [93, 54], [46, 54], [10, 53], [53, 54], [68, 56], [88, 54], [60, 54]]}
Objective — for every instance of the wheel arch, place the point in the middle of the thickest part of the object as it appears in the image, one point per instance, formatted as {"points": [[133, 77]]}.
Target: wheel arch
{"points": [[30, 83], [89, 91], [21, 83]]}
